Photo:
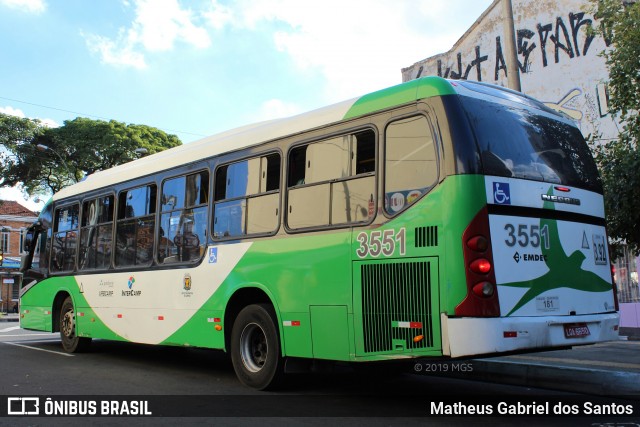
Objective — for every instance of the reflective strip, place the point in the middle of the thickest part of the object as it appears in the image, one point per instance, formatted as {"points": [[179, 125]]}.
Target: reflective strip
{"points": [[291, 323], [407, 325]]}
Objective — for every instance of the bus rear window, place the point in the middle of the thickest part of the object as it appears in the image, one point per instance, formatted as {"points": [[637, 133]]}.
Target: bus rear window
{"points": [[521, 143]]}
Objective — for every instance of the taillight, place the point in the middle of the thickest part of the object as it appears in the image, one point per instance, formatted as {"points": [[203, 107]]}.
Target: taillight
{"points": [[484, 289], [482, 295], [480, 266], [478, 243]]}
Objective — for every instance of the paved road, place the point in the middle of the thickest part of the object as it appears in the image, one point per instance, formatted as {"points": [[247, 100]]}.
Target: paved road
{"points": [[34, 365]]}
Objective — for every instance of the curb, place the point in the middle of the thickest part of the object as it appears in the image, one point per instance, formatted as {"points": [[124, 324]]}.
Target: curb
{"points": [[562, 378]]}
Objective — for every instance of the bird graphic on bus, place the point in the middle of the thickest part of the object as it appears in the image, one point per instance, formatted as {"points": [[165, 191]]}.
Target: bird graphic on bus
{"points": [[564, 270]]}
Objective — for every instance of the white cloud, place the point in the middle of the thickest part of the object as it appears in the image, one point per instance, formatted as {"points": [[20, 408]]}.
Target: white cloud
{"points": [[358, 45], [29, 6], [50, 123], [219, 15], [118, 53], [12, 111], [19, 113], [158, 25]]}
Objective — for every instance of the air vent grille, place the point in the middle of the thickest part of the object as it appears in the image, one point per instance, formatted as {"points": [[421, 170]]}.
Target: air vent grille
{"points": [[396, 306], [426, 236]]}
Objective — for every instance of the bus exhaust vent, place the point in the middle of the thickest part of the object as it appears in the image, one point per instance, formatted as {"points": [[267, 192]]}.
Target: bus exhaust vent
{"points": [[426, 236], [396, 301]]}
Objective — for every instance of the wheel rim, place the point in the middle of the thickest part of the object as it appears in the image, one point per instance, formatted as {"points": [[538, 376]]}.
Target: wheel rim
{"points": [[67, 326], [253, 347]]}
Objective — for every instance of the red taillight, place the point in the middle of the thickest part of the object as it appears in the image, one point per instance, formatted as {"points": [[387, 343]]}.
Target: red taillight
{"points": [[565, 189], [484, 289], [480, 266], [482, 294], [478, 243]]}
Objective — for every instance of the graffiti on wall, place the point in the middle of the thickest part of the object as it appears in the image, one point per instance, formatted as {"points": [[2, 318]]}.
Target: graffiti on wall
{"points": [[591, 111], [565, 105], [565, 39], [557, 58]]}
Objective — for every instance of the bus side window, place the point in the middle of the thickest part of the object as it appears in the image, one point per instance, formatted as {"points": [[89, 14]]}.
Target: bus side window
{"points": [[45, 239], [96, 233], [411, 167], [183, 219], [135, 226], [247, 197], [334, 184], [65, 238]]}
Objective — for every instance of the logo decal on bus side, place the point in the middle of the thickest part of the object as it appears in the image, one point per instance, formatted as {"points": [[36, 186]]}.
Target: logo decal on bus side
{"points": [[131, 292], [501, 193], [560, 199], [186, 286]]}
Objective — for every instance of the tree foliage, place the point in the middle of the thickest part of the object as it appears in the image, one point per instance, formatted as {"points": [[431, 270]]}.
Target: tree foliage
{"points": [[619, 160], [46, 159]]}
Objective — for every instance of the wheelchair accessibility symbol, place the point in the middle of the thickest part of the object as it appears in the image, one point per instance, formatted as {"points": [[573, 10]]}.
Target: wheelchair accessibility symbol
{"points": [[213, 255], [501, 193]]}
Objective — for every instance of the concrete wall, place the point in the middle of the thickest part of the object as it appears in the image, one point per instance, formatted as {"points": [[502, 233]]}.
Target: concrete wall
{"points": [[559, 60], [630, 315]]}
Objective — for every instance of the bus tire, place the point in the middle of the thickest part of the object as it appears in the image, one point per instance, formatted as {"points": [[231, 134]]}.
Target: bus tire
{"points": [[71, 343], [255, 348]]}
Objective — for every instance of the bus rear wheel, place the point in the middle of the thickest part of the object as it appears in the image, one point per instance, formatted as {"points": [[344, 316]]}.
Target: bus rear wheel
{"points": [[255, 348], [71, 343]]}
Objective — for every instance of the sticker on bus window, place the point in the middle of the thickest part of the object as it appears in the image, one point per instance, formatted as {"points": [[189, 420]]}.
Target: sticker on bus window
{"points": [[397, 202], [501, 193]]}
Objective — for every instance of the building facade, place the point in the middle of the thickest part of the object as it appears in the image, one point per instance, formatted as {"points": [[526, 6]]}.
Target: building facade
{"points": [[14, 220], [558, 59], [560, 64]]}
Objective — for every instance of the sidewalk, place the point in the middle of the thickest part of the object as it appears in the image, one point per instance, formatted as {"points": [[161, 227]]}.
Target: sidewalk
{"points": [[11, 317], [611, 368]]}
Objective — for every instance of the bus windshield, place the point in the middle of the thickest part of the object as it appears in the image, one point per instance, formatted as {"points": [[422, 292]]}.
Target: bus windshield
{"points": [[520, 142]]}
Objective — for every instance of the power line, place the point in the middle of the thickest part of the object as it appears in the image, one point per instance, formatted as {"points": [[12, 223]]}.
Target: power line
{"points": [[90, 115]]}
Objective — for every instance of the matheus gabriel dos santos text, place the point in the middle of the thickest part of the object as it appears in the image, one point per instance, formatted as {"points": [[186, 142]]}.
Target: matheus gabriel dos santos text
{"points": [[533, 408]]}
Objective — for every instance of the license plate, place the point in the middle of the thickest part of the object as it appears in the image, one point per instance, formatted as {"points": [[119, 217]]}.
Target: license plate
{"points": [[576, 330]]}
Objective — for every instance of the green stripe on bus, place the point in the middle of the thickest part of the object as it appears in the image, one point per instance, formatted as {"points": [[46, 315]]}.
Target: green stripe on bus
{"points": [[426, 87]]}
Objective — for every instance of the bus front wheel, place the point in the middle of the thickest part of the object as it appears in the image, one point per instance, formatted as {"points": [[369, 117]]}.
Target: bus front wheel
{"points": [[71, 343], [255, 347]]}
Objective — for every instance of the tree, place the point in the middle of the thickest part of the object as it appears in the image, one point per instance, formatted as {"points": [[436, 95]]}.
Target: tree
{"points": [[46, 159], [619, 160]]}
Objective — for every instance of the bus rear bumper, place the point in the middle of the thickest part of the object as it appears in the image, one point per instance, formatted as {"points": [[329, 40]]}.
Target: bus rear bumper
{"points": [[475, 336]]}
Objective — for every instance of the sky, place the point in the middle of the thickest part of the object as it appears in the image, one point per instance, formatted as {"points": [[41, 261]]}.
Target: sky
{"points": [[195, 68]]}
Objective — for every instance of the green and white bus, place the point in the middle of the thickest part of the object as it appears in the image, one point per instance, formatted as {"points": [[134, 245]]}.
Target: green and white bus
{"points": [[431, 219]]}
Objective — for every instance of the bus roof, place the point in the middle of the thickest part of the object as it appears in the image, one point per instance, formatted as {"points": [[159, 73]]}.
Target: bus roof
{"points": [[258, 133]]}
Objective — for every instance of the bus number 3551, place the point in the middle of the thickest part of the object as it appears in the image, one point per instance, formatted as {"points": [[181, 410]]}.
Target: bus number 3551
{"points": [[382, 243]]}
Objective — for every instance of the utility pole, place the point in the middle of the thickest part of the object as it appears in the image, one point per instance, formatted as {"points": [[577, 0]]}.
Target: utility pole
{"points": [[513, 71]]}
